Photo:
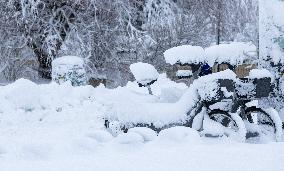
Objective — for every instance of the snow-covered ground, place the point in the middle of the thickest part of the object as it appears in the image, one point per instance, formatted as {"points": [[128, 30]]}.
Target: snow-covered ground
{"points": [[60, 127]]}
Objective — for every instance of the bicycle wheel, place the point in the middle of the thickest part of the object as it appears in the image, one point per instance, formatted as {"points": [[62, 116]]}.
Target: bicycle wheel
{"points": [[232, 122], [264, 122]]}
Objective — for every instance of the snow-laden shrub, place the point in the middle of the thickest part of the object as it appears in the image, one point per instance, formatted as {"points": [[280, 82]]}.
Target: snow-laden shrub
{"points": [[69, 68]]}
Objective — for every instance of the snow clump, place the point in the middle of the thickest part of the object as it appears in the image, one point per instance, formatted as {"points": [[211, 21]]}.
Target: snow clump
{"points": [[233, 53], [185, 54], [180, 133], [260, 73], [144, 73]]}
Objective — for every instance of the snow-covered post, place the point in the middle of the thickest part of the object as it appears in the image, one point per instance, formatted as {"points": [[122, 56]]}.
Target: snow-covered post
{"points": [[69, 68], [145, 74]]}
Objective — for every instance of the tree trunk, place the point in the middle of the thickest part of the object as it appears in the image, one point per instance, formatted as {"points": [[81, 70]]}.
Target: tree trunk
{"points": [[44, 70], [218, 29]]}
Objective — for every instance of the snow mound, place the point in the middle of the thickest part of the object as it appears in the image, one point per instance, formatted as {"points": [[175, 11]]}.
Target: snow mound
{"points": [[164, 88], [161, 114], [144, 73], [233, 53], [260, 73], [212, 127], [185, 54], [129, 138], [22, 94], [26, 95], [147, 133], [180, 133], [100, 136]]}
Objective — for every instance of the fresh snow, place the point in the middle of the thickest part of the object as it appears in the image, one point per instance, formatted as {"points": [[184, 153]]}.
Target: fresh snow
{"points": [[233, 53], [165, 89], [147, 133], [185, 54], [144, 73], [60, 127], [260, 73]]}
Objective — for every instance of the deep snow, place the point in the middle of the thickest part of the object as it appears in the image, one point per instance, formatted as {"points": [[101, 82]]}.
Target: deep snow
{"points": [[60, 127]]}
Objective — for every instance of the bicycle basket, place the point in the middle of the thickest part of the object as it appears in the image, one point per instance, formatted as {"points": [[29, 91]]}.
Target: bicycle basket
{"points": [[218, 90], [263, 87], [253, 88], [226, 89]]}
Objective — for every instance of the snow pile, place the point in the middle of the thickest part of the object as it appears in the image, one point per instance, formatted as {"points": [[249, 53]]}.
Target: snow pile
{"points": [[144, 73], [161, 114], [180, 133], [43, 126], [26, 95], [129, 138], [69, 68], [101, 136], [233, 53], [185, 54], [164, 88], [260, 73], [147, 133]]}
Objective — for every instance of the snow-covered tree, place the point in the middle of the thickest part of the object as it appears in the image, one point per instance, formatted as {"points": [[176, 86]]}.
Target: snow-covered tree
{"points": [[112, 34]]}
